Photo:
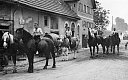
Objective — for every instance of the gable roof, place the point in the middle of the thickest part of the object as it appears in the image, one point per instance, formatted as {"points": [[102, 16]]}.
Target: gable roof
{"points": [[55, 6], [71, 0]]}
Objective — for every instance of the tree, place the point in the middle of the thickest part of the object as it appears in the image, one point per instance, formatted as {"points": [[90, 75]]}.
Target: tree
{"points": [[100, 16]]}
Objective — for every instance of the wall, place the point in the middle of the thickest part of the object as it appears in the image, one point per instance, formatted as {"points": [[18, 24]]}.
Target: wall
{"points": [[85, 17]]}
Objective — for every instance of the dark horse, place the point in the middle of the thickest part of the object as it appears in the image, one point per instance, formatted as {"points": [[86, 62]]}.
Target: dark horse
{"points": [[44, 45], [115, 41], [55, 38], [106, 44], [94, 41]]}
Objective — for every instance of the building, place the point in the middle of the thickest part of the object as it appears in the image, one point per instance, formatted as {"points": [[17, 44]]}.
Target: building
{"points": [[53, 16], [84, 9]]}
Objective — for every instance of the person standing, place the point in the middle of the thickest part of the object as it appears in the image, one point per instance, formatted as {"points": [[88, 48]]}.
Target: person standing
{"points": [[68, 34], [114, 31]]}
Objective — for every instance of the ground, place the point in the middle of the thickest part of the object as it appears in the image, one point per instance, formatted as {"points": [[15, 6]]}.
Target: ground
{"points": [[104, 67]]}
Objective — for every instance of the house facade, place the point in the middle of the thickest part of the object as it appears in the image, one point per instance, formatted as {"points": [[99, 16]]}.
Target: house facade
{"points": [[53, 16], [84, 9]]}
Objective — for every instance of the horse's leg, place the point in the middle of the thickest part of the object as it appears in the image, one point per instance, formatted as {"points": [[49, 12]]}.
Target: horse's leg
{"points": [[54, 61], [91, 51], [46, 64], [125, 46], [5, 63], [107, 49], [63, 54], [66, 53], [14, 62], [30, 60], [113, 49], [74, 54], [97, 49], [103, 47], [118, 49]]}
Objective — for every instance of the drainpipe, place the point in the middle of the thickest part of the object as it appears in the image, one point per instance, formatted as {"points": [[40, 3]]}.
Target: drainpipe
{"points": [[13, 14]]}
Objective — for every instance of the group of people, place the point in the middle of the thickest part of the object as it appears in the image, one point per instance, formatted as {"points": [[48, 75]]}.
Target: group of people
{"points": [[37, 32], [95, 32]]}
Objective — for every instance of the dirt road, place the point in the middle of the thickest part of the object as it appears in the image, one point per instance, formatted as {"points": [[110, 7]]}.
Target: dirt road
{"points": [[105, 67]]}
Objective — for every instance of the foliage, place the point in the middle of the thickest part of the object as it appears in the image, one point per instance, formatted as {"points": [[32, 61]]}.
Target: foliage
{"points": [[100, 16]]}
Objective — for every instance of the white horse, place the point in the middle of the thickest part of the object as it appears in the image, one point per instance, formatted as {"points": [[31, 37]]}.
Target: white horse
{"points": [[7, 37], [10, 49], [66, 45]]}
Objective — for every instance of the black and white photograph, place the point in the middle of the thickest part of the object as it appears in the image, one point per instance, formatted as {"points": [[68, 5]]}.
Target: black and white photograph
{"points": [[63, 40]]}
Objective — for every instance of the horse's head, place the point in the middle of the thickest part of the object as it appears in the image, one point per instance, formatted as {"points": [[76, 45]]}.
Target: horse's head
{"points": [[23, 35], [19, 33], [8, 39]]}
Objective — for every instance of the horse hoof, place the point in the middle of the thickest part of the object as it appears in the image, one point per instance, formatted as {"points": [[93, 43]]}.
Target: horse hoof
{"points": [[91, 56], [14, 71], [96, 55], [74, 58], [30, 71], [45, 67], [54, 66]]}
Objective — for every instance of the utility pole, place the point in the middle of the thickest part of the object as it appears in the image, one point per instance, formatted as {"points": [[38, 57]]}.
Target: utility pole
{"points": [[112, 23]]}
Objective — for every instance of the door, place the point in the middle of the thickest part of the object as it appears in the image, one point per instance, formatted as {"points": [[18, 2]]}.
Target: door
{"points": [[84, 41]]}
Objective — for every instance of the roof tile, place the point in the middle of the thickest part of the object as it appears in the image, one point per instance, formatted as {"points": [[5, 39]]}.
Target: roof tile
{"points": [[55, 6]]}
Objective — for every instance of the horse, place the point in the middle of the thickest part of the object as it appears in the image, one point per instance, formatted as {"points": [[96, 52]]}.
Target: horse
{"points": [[11, 46], [94, 41], [57, 42], [65, 45], [44, 45], [106, 44], [115, 41]]}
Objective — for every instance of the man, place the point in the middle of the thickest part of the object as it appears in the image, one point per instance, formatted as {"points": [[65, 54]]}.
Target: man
{"points": [[37, 32], [114, 31], [68, 34]]}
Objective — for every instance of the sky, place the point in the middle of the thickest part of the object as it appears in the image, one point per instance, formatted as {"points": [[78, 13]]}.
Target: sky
{"points": [[118, 8]]}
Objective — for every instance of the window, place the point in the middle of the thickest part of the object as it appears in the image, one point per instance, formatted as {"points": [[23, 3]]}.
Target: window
{"points": [[85, 8], [81, 7], [74, 5], [89, 10], [45, 20], [54, 23]]}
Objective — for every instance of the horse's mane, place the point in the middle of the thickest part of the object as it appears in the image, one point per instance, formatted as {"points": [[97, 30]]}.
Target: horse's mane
{"points": [[27, 34], [89, 34]]}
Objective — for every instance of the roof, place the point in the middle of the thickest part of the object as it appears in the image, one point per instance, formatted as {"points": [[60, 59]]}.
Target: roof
{"points": [[55, 6], [71, 0]]}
